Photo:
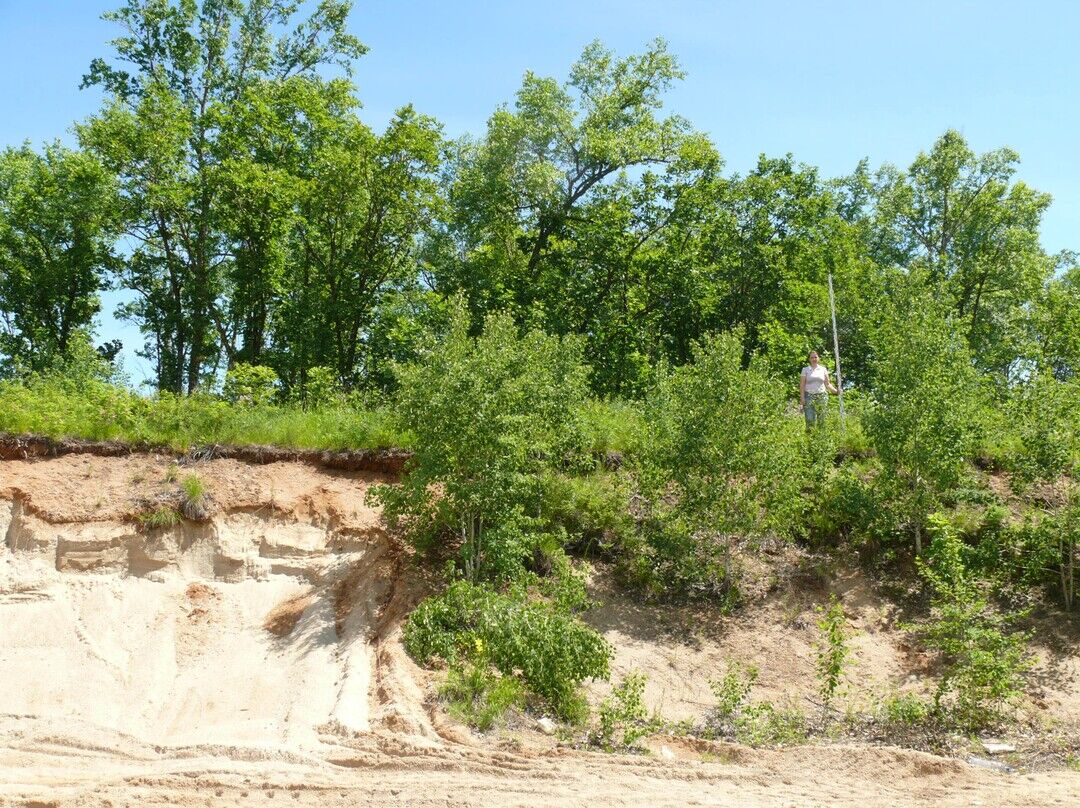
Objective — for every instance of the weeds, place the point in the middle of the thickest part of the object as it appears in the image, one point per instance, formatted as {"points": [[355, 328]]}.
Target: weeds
{"points": [[479, 696], [623, 717], [984, 662], [195, 505], [159, 518], [833, 651]]}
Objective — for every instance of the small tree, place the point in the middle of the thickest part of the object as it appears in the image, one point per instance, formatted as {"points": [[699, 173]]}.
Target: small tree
{"points": [[488, 415], [721, 464], [925, 393], [833, 651], [985, 662], [254, 385]]}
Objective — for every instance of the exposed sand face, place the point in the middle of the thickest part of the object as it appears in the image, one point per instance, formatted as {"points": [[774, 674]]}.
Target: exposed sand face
{"points": [[252, 634], [258, 654]]}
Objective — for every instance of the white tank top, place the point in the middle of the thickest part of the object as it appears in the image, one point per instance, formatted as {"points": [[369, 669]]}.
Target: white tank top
{"points": [[815, 379]]}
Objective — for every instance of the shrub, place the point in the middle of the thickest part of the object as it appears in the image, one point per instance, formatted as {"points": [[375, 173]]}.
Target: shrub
{"points": [[592, 511], [922, 423], [551, 651], [904, 710], [764, 724], [1045, 416], [250, 385], [623, 717], [851, 508], [984, 662], [488, 416], [721, 463], [731, 693], [322, 388], [755, 724], [479, 697], [833, 651]]}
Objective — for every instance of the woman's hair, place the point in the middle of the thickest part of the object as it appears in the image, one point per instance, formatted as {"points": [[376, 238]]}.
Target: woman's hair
{"points": [[812, 353]]}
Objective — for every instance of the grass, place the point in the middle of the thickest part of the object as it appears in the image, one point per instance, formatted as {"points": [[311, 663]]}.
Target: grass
{"points": [[56, 407], [94, 410], [160, 517]]}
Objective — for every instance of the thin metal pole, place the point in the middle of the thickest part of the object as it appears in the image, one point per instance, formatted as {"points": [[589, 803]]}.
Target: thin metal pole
{"points": [[836, 350]]}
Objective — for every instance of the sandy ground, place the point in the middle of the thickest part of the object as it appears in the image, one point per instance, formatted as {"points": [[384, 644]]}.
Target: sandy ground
{"points": [[255, 658]]}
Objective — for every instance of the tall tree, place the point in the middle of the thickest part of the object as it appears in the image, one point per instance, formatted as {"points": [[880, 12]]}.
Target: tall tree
{"points": [[974, 231], [368, 199], [515, 193], [58, 220], [185, 67]]}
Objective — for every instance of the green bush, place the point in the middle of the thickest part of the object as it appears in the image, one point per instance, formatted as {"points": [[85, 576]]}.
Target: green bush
{"points": [[591, 511], [551, 651], [851, 508], [755, 724], [611, 426], [623, 717], [1045, 417], [251, 385], [984, 662], [731, 692], [904, 710], [721, 464], [922, 422], [479, 697], [489, 416], [832, 651], [764, 724]]}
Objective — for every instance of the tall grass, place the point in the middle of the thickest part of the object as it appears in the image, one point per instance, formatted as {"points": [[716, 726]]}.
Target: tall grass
{"points": [[62, 408]]}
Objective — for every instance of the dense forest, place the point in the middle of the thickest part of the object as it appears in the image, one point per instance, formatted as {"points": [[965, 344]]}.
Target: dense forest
{"points": [[586, 329]]}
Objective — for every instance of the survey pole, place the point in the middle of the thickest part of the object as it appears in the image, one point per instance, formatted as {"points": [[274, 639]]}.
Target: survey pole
{"points": [[836, 349]]}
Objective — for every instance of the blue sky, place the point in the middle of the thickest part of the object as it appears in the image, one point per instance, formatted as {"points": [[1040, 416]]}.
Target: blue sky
{"points": [[831, 81]]}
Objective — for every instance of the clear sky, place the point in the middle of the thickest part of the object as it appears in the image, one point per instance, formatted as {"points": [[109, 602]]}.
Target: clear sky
{"points": [[831, 81]]}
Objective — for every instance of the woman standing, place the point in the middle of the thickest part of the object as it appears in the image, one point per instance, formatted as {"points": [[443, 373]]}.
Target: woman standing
{"points": [[815, 384]]}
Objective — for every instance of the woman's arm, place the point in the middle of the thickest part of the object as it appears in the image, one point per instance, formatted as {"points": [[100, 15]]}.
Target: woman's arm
{"points": [[802, 389], [828, 383]]}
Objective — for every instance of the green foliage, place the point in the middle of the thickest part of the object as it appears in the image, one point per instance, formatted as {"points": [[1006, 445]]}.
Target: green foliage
{"points": [[833, 651], [852, 507], [764, 724], [755, 724], [732, 691], [721, 464], [58, 220], [959, 220], [590, 511], [905, 710], [925, 402], [488, 416], [1044, 414], [193, 487], [984, 662], [77, 404], [479, 697], [551, 651], [160, 518], [250, 385], [623, 716], [611, 426]]}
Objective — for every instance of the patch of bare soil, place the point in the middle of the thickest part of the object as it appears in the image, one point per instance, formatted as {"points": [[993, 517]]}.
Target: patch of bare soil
{"points": [[256, 658]]}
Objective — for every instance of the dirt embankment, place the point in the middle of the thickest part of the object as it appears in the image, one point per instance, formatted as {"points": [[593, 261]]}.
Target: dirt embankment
{"points": [[256, 656]]}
